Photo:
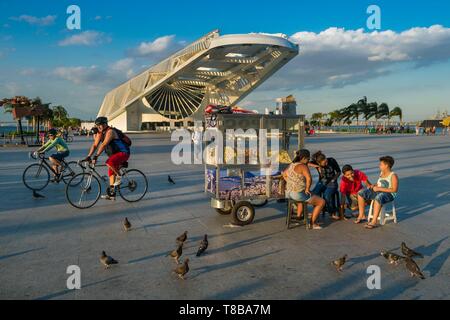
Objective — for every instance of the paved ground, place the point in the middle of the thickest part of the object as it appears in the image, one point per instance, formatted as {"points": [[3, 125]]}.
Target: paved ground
{"points": [[40, 238]]}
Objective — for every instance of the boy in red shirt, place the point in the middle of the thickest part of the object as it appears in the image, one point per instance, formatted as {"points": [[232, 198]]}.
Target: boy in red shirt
{"points": [[351, 183]]}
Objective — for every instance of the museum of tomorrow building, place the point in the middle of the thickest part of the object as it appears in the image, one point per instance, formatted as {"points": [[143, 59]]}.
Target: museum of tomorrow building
{"points": [[215, 69]]}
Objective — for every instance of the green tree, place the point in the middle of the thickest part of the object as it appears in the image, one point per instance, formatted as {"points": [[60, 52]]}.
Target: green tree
{"points": [[382, 111], [397, 112], [335, 116], [60, 113]]}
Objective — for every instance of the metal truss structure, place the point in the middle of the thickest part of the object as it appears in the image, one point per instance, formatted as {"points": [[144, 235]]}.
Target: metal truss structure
{"points": [[212, 70]]}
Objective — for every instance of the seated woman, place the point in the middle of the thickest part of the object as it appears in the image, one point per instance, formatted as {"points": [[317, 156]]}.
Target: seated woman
{"points": [[384, 192], [298, 184], [329, 172]]}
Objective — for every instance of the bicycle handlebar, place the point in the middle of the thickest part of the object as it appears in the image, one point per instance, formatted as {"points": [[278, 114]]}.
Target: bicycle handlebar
{"points": [[35, 155]]}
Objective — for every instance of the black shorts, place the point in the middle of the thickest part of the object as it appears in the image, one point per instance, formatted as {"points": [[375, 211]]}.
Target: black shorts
{"points": [[60, 155]]}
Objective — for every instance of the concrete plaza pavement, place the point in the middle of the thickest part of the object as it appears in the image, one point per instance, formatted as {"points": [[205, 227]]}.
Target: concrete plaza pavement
{"points": [[40, 238]]}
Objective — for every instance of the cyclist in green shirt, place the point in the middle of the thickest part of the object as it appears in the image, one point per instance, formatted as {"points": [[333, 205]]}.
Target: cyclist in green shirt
{"points": [[62, 150]]}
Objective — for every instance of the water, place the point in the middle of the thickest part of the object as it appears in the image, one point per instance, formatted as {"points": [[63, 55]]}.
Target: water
{"points": [[7, 129]]}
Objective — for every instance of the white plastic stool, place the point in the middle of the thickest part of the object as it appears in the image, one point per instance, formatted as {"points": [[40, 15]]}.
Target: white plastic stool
{"points": [[384, 214]]}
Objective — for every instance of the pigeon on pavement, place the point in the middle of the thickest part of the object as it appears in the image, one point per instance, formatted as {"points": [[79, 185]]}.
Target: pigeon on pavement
{"points": [[107, 261], [126, 224], [392, 257], [203, 246], [410, 252], [37, 195], [413, 268], [182, 238], [339, 263], [182, 269], [176, 254]]}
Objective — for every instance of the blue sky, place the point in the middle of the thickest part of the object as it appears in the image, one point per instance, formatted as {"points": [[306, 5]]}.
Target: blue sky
{"points": [[407, 66]]}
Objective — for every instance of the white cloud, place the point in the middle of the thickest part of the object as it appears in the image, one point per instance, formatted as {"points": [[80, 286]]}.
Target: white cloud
{"points": [[32, 20], [80, 75], [123, 66], [95, 76], [86, 38], [28, 72], [157, 48], [337, 57], [6, 51]]}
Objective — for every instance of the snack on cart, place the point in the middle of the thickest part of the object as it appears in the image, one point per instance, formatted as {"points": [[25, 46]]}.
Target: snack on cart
{"points": [[236, 189]]}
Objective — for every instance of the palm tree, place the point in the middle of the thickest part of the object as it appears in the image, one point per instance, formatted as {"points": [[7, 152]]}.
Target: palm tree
{"points": [[372, 111], [335, 115], [382, 111], [364, 108], [397, 112], [355, 112], [347, 113], [317, 117], [60, 113]]}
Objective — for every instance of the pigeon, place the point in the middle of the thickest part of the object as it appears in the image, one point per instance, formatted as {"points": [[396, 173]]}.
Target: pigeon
{"points": [[169, 178], [182, 238], [37, 195], [413, 268], [410, 252], [176, 254], [126, 224], [392, 257], [203, 246], [339, 263], [182, 269], [107, 261]]}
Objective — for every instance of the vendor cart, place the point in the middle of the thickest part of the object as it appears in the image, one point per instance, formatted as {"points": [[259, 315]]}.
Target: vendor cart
{"points": [[237, 189]]}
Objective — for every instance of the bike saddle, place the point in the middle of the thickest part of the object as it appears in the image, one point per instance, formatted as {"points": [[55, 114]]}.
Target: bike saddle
{"points": [[125, 165]]}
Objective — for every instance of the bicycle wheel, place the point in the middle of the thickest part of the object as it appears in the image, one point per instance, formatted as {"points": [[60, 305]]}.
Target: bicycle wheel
{"points": [[134, 185], [71, 170], [36, 177], [85, 192], [69, 139]]}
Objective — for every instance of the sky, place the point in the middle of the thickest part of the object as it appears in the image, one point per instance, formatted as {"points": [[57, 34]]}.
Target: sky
{"points": [[405, 63]]}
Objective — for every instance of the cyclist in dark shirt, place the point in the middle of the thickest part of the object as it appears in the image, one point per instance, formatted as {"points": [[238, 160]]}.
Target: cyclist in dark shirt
{"points": [[327, 186], [107, 139]]}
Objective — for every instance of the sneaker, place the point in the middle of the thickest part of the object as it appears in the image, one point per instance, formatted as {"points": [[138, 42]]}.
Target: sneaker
{"points": [[108, 197], [118, 181]]}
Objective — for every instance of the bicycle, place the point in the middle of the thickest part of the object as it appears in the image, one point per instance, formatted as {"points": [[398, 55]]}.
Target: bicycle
{"points": [[84, 190], [37, 176]]}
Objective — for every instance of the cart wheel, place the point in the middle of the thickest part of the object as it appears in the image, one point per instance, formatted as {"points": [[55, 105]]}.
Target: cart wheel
{"points": [[259, 203], [243, 213]]}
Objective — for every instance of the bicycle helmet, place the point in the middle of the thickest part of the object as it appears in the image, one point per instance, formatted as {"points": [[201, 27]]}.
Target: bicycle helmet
{"points": [[101, 120], [52, 132]]}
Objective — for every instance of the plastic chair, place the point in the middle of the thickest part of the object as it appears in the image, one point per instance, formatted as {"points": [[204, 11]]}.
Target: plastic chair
{"points": [[385, 215]]}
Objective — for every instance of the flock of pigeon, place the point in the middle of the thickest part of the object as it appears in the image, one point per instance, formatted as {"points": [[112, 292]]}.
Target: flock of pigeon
{"points": [[182, 269], [393, 258]]}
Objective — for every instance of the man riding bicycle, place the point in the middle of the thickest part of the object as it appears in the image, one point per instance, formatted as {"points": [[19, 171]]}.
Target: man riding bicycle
{"points": [[110, 140], [62, 151]]}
